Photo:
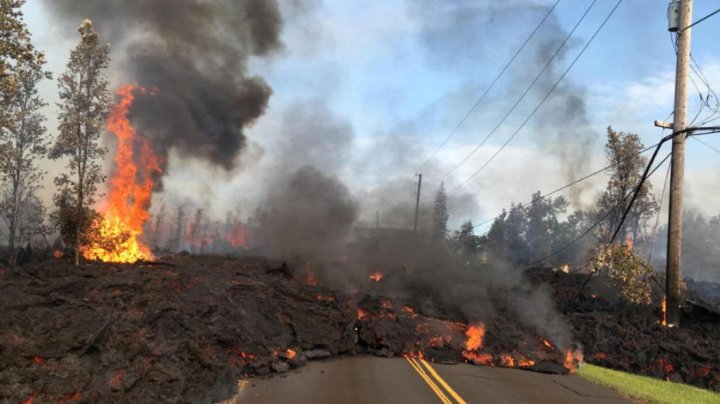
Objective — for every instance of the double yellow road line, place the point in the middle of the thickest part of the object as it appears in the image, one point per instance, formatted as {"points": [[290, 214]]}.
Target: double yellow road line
{"points": [[436, 383]]}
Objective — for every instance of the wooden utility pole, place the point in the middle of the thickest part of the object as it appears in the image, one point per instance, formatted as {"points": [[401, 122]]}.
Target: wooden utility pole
{"points": [[417, 203], [672, 286]]}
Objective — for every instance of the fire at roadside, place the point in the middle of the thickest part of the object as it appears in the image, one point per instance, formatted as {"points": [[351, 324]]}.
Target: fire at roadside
{"points": [[186, 329]]}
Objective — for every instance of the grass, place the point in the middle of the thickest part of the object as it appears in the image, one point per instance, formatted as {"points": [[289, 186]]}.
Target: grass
{"points": [[647, 389]]}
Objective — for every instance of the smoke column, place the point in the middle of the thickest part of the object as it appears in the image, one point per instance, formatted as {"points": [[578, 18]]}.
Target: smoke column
{"points": [[195, 54]]}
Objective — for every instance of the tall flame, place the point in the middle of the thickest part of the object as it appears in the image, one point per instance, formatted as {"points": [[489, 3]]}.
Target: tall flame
{"points": [[115, 234]]}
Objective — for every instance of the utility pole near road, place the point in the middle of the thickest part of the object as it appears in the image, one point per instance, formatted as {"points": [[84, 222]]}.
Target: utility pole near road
{"points": [[672, 286]]}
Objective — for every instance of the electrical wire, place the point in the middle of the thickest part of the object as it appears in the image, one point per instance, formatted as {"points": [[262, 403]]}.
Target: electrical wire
{"points": [[564, 187], [711, 147], [704, 100], [525, 93], [657, 219], [605, 216], [701, 20], [487, 90], [542, 101]]}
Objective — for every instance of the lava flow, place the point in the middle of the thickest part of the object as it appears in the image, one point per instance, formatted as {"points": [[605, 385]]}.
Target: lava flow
{"points": [[116, 234]]}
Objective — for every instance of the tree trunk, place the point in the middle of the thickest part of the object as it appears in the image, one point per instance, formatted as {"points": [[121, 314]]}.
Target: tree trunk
{"points": [[77, 248], [12, 258]]}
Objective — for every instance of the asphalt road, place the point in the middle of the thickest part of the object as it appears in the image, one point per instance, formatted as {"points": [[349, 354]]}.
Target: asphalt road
{"points": [[366, 379]]}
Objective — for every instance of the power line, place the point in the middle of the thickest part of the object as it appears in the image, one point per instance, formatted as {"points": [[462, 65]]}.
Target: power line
{"points": [[487, 90], [701, 20], [564, 187], [605, 216], [704, 100], [647, 174], [657, 219], [519, 100], [708, 145], [547, 95]]}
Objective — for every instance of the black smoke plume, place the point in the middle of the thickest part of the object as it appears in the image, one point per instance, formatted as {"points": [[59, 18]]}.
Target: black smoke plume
{"points": [[195, 54]]}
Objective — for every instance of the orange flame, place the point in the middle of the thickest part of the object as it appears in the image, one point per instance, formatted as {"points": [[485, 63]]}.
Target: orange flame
{"points": [[663, 307], [291, 354], [572, 358], [548, 344], [507, 361], [475, 334], [116, 234], [526, 363], [376, 277], [237, 236], [31, 399], [484, 359], [361, 314]]}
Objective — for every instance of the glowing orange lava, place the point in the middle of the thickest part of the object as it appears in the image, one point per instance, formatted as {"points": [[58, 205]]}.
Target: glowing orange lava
{"points": [[507, 361], [410, 310], [484, 359], [310, 278], [526, 363], [115, 234], [572, 358], [475, 334]]}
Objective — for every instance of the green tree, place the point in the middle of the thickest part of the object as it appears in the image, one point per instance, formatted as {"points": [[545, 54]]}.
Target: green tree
{"points": [[568, 246], [440, 214], [467, 244], [630, 272], [627, 165], [542, 222], [23, 144], [496, 245], [84, 104], [516, 246], [15, 49]]}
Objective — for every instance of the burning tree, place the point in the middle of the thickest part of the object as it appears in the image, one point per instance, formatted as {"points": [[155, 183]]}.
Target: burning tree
{"points": [[116, 234], [23, 141], [85, 102]]}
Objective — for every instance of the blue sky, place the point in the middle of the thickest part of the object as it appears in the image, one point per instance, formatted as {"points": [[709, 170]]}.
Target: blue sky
{"points": [[397, 72]]}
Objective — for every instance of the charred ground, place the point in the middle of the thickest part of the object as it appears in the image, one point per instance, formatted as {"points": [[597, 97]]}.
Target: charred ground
{"points": [[187, 329]]}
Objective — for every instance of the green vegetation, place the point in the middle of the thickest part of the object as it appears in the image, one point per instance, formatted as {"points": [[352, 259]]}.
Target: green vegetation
{"points": [[647, 389]]}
